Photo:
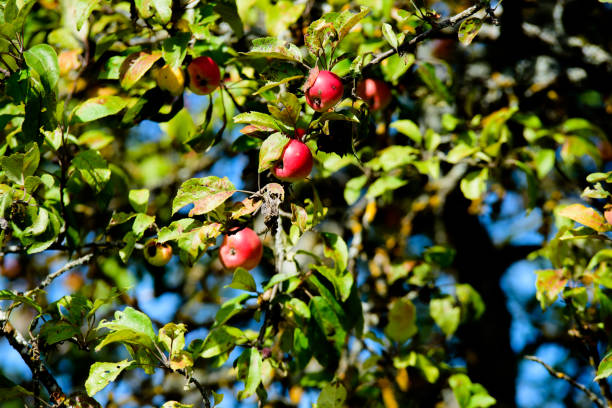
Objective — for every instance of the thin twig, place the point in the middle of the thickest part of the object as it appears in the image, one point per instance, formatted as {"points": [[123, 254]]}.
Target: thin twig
{"points": [[205, 392], [558, 374], [70, 265], [449, 22]]}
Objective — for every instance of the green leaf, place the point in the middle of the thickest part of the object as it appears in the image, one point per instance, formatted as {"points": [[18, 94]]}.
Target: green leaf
{"points": [[468, 29], [271, 150], [335, 248], [18, 166], [419, 361], [460, 152], [144, 8], [250, 370], [142, 223], [40, 223], [257, 119], [55, 331], [101, 374], [468, 394], [603, 255], [82, 9], [274, 84], [129, 239], [332, 395], [243, 280], [135, 66], [471, 302], [219, 341], [174, 49], [163, 9], [93, 168], [427, 73], [384, 184], [445, 314], [328, 321], [98, 107], [353, 188], [440, 254], [139, 199], [229, 13], [272, 47], [474, 184], [174, 404], [289, 111], [393, 157], [585, 216], [230, 309], [280, 277], [281, 14], [43, 59], [549, 283], [205, 194], [299, 308], [604, 370], [8, 295], [299, 217], [172, 337], [131, 326], [390, 36], [346, 20], [341, 280], [176, 229], [395, 66], [402, 321]]}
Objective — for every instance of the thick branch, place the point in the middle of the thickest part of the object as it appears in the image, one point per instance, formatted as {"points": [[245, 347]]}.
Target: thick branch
{"points": [[439, 26], [24, 348], [558, 374]]}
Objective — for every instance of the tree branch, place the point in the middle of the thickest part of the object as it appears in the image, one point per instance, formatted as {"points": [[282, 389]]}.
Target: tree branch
{"points": [[205, 393], [70, 265], [438, 26], [36, 365], [558, 374]]}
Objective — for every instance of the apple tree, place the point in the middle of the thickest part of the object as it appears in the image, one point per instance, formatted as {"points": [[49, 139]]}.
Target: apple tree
{"points": [[306, 203]]}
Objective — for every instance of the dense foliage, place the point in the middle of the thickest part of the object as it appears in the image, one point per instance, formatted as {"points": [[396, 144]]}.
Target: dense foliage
{"points": [[133, 168]]}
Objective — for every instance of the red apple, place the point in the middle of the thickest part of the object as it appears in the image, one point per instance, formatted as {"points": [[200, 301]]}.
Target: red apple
{"points": [[156, 253], [241, 249], [323, 90], [204, 75], [295, 163], [375, 92]]}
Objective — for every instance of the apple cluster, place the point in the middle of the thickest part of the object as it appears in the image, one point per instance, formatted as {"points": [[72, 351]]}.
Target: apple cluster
{"points": [[242, 248], [204, 77]]}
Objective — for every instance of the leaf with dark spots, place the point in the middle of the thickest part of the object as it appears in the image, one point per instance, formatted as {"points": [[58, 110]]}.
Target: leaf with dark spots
{"points": [[205, 194]]}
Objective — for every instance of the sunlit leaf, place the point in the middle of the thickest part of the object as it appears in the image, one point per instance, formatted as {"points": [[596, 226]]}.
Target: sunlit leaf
{"points": [[101, 374]]}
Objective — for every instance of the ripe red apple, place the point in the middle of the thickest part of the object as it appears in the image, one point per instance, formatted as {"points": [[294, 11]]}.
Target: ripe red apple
{"points": [[204, 75], [375, 92], [323, 90], [156, 253], [295, 163], [241, 249]]}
